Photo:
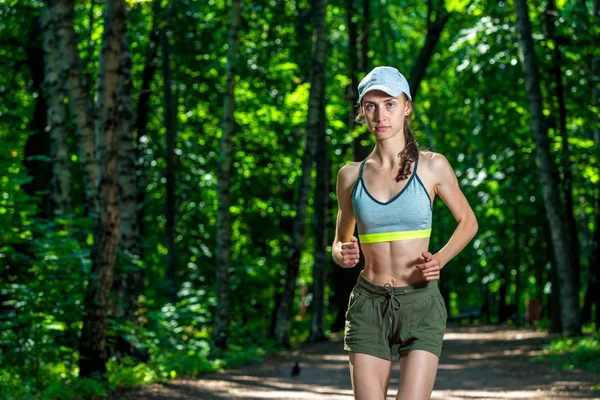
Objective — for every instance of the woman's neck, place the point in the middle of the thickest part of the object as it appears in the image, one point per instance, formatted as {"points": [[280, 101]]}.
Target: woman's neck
{"points": [[386, 151]]}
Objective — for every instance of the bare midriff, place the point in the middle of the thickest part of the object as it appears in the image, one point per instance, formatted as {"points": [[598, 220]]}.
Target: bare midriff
{"points": [[394, 262]]}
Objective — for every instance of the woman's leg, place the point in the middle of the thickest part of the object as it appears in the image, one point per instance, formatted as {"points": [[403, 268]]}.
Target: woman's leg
{"points": [[417, 375], [370, 376]]}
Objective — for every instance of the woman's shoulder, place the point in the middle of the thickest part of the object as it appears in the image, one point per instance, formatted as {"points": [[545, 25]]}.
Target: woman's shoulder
{"points": [[349, 172], [436, 168], [432, 161]]}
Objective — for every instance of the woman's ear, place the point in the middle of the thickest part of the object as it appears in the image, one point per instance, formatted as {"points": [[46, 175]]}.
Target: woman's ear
{"points": [[409, 108]]}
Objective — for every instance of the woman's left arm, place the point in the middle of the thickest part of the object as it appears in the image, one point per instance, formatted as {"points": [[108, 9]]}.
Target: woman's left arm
{"points": [[447, 188]]}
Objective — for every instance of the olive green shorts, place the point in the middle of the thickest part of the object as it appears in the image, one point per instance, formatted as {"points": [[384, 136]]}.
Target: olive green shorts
{"points": [[380, 317]]}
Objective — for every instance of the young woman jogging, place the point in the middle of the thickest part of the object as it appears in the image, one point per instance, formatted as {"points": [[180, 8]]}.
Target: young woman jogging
{"points": [[396, 300]]}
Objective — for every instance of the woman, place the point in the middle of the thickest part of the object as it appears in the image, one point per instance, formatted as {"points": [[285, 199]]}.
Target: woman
{"points": [[396, 300]]}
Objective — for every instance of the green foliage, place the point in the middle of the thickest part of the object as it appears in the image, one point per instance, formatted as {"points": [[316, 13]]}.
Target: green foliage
{"points": [[58, 386], [574, 353]]}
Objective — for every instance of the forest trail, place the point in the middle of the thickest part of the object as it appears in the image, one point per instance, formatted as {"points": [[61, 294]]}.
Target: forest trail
{"points": [[485, 362]]}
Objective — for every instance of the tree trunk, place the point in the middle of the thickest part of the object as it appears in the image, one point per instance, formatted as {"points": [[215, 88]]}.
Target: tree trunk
{"points": [[351, 91], [54, 93], [561, 241], [554, 299], [434, 31], [362, 144], [364, 37], [595, 260], [320, 224], [221, 321], [92, 346], [80, 104], [503, 306], [37, 148], [128, 283], [170, 171], [590, 290], [284, 312], [517, 251], [142, 112], [567, 182], [595, 265], [345, 278], [358, 61]]}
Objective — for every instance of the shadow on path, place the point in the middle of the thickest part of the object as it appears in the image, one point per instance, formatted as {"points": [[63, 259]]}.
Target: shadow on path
{"points": [[485, 362]]}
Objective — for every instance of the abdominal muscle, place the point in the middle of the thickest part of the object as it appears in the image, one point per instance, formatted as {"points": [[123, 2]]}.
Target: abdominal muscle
{"points": [[394, 262]]}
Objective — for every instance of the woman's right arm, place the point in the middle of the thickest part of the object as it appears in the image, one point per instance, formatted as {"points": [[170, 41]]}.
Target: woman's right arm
{"points": [[345, 251]]}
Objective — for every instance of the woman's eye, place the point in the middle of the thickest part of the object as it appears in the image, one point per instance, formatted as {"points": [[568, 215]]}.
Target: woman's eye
{"points": [[370, 106], [390, 105]]}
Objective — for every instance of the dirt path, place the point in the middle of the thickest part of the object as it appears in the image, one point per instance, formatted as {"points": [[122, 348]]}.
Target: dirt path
{"points": [[477, 363]]}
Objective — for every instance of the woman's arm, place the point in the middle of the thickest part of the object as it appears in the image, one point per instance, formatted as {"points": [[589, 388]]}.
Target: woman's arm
{"points": [[345, 249], [447, 188]]}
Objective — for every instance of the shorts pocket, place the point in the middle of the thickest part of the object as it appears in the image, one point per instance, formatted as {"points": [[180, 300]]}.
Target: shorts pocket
{"points": [[354, 302], [441, 307], [420, 314]]}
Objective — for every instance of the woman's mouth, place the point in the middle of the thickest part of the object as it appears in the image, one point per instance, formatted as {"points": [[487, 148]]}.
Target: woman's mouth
{"points": [[382, 128]]}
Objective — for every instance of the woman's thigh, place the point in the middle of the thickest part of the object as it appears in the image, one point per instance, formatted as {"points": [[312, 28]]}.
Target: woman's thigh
{"points": [[370, 376], [417, 375]]}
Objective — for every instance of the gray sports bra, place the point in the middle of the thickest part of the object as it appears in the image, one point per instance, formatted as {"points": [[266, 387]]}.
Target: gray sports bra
{"points": [[406, 216]]}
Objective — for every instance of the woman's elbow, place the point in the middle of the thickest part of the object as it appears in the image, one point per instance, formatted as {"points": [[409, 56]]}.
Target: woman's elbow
{"points": [[474, 225]]}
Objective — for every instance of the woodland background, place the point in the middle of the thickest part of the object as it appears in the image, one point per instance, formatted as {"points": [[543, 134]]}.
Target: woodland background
{"points": [[167, 186]]}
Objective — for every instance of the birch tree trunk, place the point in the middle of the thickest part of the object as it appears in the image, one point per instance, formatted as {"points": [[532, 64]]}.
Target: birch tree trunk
{"points": [[221, 321], [170, 170], [561, 241], [54, 93], [284, 312], [92, 346], [80, 104]]}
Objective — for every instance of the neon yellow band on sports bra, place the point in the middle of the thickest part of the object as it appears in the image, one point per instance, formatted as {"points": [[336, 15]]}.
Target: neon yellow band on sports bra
{"points": [[392, 236]]}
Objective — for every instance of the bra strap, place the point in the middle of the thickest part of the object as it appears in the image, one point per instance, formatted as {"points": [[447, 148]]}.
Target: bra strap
{"points": [[362, 167], [416, 164]]}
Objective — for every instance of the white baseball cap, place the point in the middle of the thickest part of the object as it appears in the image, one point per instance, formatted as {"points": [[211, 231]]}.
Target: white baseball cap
{"points": [[386, 79]]}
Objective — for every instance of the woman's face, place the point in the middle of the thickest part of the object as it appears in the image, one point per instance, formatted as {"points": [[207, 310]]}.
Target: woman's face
{"points": [[384, 113]]}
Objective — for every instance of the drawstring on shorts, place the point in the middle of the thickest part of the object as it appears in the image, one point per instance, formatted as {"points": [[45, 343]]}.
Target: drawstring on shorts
{"points": [[393, 303]]}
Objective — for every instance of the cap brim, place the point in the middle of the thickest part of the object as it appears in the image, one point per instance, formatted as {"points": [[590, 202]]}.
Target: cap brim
{"points": [[383, 88]]}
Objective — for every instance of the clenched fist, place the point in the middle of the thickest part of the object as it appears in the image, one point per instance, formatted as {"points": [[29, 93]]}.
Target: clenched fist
{"points": [[350, 253]]}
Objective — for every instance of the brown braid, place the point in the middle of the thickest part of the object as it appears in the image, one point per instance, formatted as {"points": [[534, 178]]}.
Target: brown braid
{"points": [[409, 154]]}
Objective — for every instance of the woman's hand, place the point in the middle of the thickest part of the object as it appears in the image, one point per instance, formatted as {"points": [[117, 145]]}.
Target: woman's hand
{"points": [[430, 268], [350, 253]]}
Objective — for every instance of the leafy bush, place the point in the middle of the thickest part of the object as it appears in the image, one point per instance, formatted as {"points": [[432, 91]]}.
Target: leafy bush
{"points": [[574, 353]]}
